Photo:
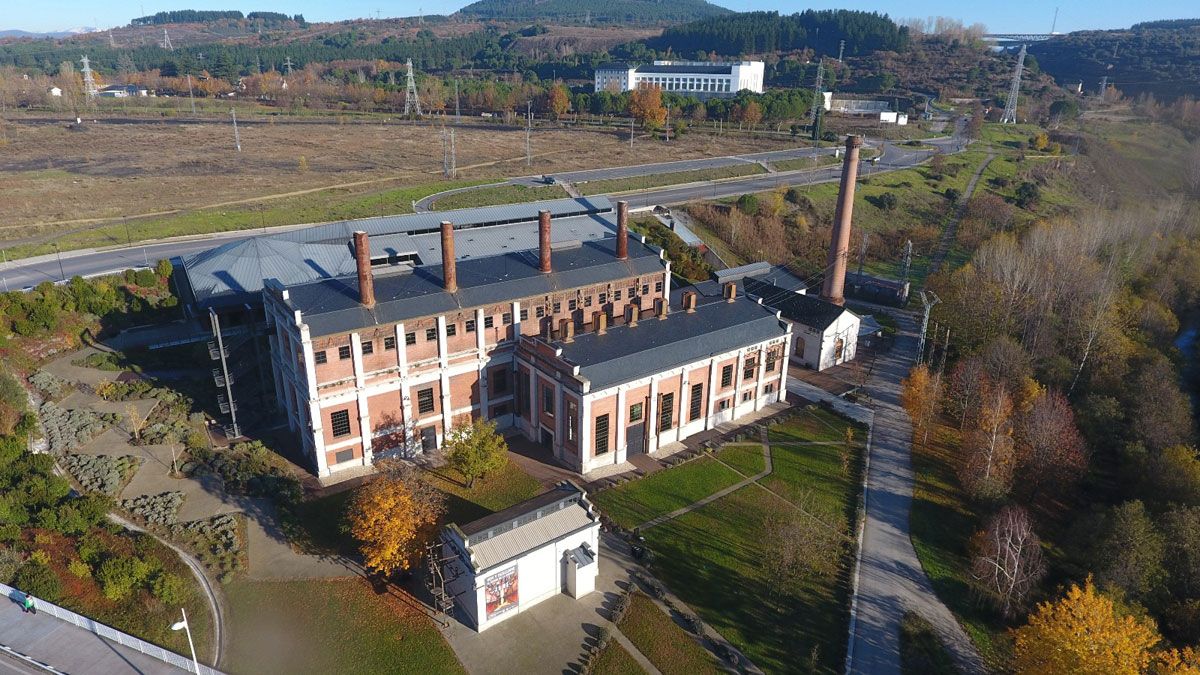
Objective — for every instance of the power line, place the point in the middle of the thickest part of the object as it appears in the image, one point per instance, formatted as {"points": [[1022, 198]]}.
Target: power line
{"points": [[412, 104], [1014, 91]]}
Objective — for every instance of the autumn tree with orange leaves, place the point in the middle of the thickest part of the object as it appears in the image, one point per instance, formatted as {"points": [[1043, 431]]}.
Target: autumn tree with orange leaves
{"points": [[393, 516], [919, 396], [646, 106]]}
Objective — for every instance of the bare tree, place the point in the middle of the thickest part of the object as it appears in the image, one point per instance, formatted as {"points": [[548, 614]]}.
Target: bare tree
{"points": [[805, 546], [1008, 561], [1050, 449], [986, 471], [963, 389]]}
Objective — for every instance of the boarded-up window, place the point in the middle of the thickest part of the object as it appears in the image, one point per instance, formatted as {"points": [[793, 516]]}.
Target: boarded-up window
{"points": [[339, 423]]}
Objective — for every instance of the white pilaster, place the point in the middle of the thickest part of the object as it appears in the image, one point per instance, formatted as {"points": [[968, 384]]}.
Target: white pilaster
{"points": [[712, 393], [652, 417], [516, 320], [762, 378], [619, 452], [585, 431]]}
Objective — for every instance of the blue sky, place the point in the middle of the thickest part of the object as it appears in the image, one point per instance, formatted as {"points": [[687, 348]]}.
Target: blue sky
{"points": [[997, 15]]}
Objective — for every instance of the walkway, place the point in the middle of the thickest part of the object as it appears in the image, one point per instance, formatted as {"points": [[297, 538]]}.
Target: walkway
{"points": [[891, 580], [69, 648], [951, 231]]}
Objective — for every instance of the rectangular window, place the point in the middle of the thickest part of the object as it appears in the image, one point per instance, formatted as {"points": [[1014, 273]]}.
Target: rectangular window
{"points": [[500, 381], [771, 361], [389, 343], [430, 334], [368, 347], [748, 371], [727, 376], [451, 329], [666, 413], [410, 338], [747, 395], [524, 314], [489, 321], [339, 423], [557, 307], [587, 302], [540, 311], [343, 353], [632, 292], [770, 388], [658, 287], [697, 398], [635, 412], [572, 304], [506, 318], [617, 295], [470, 325], [425, 401], [319, 357], [601, 434], [343, 455], [547, 400], [723, 405], [572, 418], [603, 298], [645, 289]]}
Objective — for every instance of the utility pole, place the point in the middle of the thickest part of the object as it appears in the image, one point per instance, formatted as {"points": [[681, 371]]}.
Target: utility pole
{"points": [[817, 102], [928, 299], [412, 104], [237, 138], [62, 275], [668, 130], [528, 125], [907, 258], [630, 133], [287, 64], [89, 82], [1014, 90], [453, 156], [841, 50], [862, 251], [191, 94], [112, 42], [1103, 87], [457, 111], [166, 42]]}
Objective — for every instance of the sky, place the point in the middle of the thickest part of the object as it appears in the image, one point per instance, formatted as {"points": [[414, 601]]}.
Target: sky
{"points": [[1002, 16]]}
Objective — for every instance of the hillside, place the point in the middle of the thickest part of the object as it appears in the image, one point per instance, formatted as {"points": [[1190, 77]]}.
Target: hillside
{"points": [[758, 32], [1159, 58], [594, 11]]}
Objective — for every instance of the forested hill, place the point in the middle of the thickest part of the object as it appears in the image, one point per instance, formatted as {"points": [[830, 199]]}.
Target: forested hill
{"points": [[594, 11], [761, 32], [1160, 58]]}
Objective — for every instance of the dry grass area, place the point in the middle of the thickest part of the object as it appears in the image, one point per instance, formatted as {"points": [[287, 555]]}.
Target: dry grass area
{"points": [[55, 178]]}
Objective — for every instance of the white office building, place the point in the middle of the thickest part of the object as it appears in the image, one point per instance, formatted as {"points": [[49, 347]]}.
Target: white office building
{"points": [[690, 78]]}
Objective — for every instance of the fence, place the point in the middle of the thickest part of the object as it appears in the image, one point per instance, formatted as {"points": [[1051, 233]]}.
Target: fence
{"points": [[109, 633]]}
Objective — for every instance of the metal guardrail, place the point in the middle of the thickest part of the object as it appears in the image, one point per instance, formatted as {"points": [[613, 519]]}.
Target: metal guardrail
{"points": [[109, 633]]}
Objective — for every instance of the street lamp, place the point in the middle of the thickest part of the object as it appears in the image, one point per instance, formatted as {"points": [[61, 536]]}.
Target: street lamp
{"points": [[183, 625], [58, 252]]}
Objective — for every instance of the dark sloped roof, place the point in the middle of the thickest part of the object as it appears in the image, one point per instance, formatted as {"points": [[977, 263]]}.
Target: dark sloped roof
{"points": [[803, 309], [685, 69], [332, 306], [654, 345], [240, 267], [617, 65]]}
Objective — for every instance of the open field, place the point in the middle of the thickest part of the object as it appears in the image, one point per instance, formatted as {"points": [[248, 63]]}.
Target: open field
{"points": [[501, 194], [661, 492], [60, 181], [614, 660], [670, 648]]}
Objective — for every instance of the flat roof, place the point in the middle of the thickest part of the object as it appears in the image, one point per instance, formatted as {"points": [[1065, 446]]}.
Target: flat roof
{"points": [[526, 526], [803, 309], [332, 306], [627, 353]]}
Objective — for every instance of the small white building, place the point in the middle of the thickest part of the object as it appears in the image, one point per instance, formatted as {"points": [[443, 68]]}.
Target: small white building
{"points": [[504, 564], [55, 91], [823, 334], [701, 79], [123, 91], [853, 106], [899, 119]]}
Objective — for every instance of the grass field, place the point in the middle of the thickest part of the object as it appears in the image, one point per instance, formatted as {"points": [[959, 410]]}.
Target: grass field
{"points": [[802, 163], [501, 194], [664, 491], [597, 187], [746, 458], [713, 557], [495, 492], [670, 648], [942, 521], [331, 626], [614, 660]]}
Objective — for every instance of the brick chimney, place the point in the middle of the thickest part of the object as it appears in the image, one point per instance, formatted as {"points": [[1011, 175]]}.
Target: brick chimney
{"points": [[839, 245], [567, 332], [632, 312], [601, 323], [449, 271], [661, 308], [544, 239], [362, 260], [730, 291], [622, 230], [689, 302]]}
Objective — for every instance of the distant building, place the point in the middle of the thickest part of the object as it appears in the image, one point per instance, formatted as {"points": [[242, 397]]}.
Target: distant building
{"points": [[505, 563], [899, 119], [123, 91], [853, 106], [55, 91], [690, 78]]}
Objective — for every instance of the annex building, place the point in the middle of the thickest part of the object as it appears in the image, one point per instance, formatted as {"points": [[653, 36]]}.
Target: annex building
{"points": [[701, 79]]}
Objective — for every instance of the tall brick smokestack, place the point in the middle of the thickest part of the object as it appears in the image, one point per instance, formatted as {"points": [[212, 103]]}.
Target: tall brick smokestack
{"points": [[362, 260], [449, 271], [839, 245], [544, 239], [622, 230]]}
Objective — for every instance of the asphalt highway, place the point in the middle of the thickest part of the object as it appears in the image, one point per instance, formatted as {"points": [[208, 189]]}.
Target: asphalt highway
{"points": [[24, 273]]}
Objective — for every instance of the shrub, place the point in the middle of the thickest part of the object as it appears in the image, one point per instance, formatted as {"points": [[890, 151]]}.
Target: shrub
{"points": [[159, 509], [92, 548], [216, 541], [69, 429], [11, 559], [888, 201], [171, 589], [38, 580], [146, 278], [120, 576], [104, 474], [748, 204], [49, 384], [79, 569]]}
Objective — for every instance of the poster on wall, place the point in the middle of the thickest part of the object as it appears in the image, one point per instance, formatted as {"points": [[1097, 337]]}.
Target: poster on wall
{"points": [[500, 591]]}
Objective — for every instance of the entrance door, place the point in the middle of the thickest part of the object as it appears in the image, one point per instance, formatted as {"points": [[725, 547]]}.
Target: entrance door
{"points": [[547, 438], [635, 438], [428, 439]]}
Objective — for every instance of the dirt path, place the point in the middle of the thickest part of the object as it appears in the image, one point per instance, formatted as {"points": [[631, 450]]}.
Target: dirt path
{"points": [[951, 231]]}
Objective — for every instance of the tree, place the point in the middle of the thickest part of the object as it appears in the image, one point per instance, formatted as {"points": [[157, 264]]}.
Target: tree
{"points": [[392, 516], [1027, 195], [748, 204], [558, 99], [1050, 449], [13, 403], [1162, 414], [1172, 476], [1127, 553], [919, 396], [646, 106], [1181, 532], [475, 450], [752, 113], [967, 378], [134, 421], [986, 470], [806, 547], [1083, 633], [1008, 561]]}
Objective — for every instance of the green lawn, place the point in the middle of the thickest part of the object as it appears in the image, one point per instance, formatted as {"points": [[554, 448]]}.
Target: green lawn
{"points": [[331, 626], [500, 194], [670, 648], [801, 163], [495, 492], [921, 652], [942, 522], [315, 207], [597, 187], [713, 557], [664, 491], [814, 424], [614, 660], [744, 457]]}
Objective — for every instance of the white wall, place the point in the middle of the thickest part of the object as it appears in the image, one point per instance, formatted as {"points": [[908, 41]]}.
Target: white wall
{"points": [[820, 349]]}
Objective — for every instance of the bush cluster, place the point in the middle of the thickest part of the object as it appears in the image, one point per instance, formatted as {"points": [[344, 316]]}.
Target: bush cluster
{"points": [[50, 385], [105, 474], [252, 469], [67, 429], [216, 541], [159, 509]]}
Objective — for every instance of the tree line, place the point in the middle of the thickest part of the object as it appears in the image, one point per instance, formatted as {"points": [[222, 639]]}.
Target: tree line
{"points": [[205, 16], [762, 32]]}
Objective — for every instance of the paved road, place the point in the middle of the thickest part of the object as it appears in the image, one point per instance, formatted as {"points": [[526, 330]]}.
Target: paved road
{"points": [[891, 580], [68, 648]]}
